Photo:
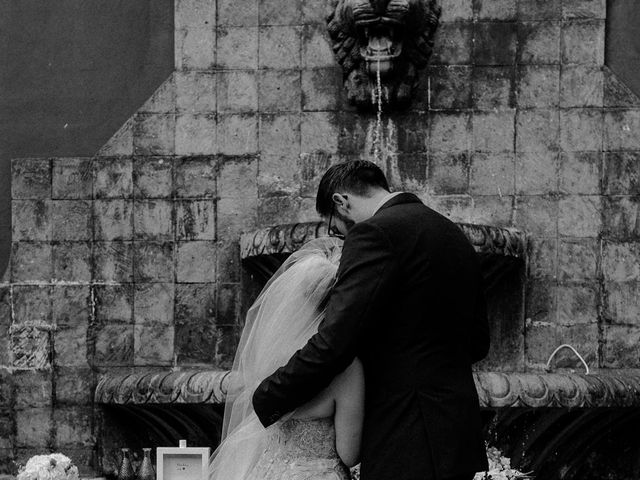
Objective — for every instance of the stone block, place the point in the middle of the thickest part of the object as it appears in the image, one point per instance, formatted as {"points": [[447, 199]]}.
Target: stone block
{"points": [[621, 129], [236, 216], [584, 9], [229, 261], [31, 262], [195, 220], [31, 178], [113, 177], [537, 130], [237, 179], [581, 130], [74, 386], [448, 173], [616, 92], [153, 262], [458, 208], [621, 173], [456, 10], [540, 301], [196, 134], [33, 427], [621, 347], [273, 210], [580, 216], [620, 218], [30, 347], [195, 332], [538, 86], [586, 339], [578, 304], [31, 220], [152, 177], [539, 9], [33, 389], [536, 173], [195, 48], [71, 220], [450, 87], [154, 134], [410, 134], [194, 13], [238, 134], [72, 178], [195, 177], [539, 43], [449, 132], [153, 344], [453, 44], [492, 174], [279, 12], [495, 10], [495, 43], [7, 389], [163, 100], [578, 259], [280, 90], [195, 92], [113, 303], [237, 47], [279, 47], [196, 262], [112, 344], [74, 427], [71, 262], [492, 210], [7, 437], [228, 339], [241, 13], [492, 87], [581, 86], [154, 304], [621, 261], [316, 47], [357, 134], [280, 135], [580, 172], [113, 220], [319, 132], [32, 304], [493, 131], [237, 91], [537, 215], [71, 305], [621, 305], [542, 258], [112, 262], [315, 12], [582, 42], [70, 345], [153, 220]]}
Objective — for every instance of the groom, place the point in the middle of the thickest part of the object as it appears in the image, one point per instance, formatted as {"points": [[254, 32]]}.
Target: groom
{"points": [[408, 302]]}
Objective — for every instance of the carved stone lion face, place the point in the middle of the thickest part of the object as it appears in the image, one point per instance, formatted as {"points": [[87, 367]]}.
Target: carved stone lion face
{"points": [[392, 37]]}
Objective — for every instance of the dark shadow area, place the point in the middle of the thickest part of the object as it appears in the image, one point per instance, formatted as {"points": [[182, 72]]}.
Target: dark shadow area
{"points": [[73, 71], [622, 42]]}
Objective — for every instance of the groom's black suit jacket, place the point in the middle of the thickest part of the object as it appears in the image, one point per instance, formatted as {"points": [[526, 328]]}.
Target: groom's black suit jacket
{"points": [[408, 302]]}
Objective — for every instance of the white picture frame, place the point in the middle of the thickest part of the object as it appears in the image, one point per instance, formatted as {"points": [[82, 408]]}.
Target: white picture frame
{"points": [[182, 463]]}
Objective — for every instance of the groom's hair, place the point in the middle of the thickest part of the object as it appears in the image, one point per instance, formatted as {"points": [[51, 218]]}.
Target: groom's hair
{"points": [[357, 177]]}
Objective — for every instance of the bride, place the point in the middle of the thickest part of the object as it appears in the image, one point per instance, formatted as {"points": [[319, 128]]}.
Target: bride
{"points": [[319, 440]]}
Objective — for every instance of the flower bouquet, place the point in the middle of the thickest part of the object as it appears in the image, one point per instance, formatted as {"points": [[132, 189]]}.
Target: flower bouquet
{"points": [[500, 468], [54, 466]]}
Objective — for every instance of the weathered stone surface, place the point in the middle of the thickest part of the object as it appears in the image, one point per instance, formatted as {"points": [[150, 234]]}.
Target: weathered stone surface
{"points": [[71, 305], [450, 86], [112, 344], [578, 304], [494, 43], [492, 174], [31, 220], [5, 344], [536, 173], [195, 13], [153, 344], [539, 9], [195, 92], [584, 8], [31, 178], [154, 134], [493, 131], [538, 86], [621, 173], [195, 330], [620, 302], [448, 174], [621, 217], [195, 49], [316, 51], [238, 12], [457, 10], [539, 43], [621, 347], [153, 262], [621, 261], [580, 172], [280, 90], [492, 87], [33, 427], [195, 177], [70, 345], [72, 178], [580, 216], [196, 262], [621, 130], [31, 262], [113, 303], [72, 262], [581, 86], [279, 47], [153, 220], [71, 220], [112, 261], [278, 176], [495, 9], [238, 134], [537, 130], [30, 347], [237, 91], [112, 177], [152, 177], [449, 132], [280, 135], [318, 132], [541, 301], [237, 48], [33, 389], [542, 258], [453, 44], [583, 42], [32, 304], [537, 215], [195, 220], [113, 220], [74, 427], [154, 304], [73, 385], [578, 259], [196, 134]]}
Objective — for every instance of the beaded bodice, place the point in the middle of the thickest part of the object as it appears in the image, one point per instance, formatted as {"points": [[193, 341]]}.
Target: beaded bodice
{"points": [[306, 438]]}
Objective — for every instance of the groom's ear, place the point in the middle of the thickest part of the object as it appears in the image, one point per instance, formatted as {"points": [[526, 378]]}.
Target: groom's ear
{"points": [[340, 200]]}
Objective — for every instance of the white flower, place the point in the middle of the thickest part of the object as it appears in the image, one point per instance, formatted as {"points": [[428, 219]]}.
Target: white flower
{"points": [[48, 467]]}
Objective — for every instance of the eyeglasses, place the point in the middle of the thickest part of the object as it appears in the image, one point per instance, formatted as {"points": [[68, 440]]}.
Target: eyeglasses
{"points": [[332, 229]]}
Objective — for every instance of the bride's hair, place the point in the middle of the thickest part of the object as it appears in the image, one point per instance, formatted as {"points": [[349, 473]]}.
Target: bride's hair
{"points": [[283, 318]]}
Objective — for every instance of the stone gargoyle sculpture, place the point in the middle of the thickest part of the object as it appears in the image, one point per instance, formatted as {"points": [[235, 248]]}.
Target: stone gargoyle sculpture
{"points": [[394, 37]]}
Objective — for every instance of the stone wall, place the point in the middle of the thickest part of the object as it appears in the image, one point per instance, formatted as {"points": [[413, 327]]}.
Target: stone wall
{"points": [[130, 259]]}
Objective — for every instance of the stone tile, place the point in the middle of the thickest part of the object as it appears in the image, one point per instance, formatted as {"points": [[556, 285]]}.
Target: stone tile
{"points": [[33, 427], [581, 86], [195, 92], [237, 48], [71, 220], [315, 12], [195, 48], [196, 262], [280, 134], [539, 43], [537, 215], [620, 218], [270, 209], [621, 129], [617, 93], [621, 173], [356, 135], [240, 13], [495, 43], [449, 132], [153, 220], [580, 216], [71, 305], [495, 10], [448, 174], [456, 10], [70, 346], [579, 172], [154, 304], [458, 208], [493, 131], [539, 9], [74, 386], [71, 262], [153, 262], [410, 134], [583, 42], [317, 51], [538, 86], [163, 100], [578, 304], [33, 389], [196, 134], [620, 305], [229, 262], [279, 47], [195, 177], [237, 91], [31, 178], [238, 134], [7, 389], [154, 134], [236, 216], [492, 87], [492, 210], [542, 258], [30, 220], [153, 344], [195, 331], [112, 262], [113, 220], [585, 338], [32, 304], [237, 178], [194, 13], [195, 220], [540, 301], [537, 130], [280, 90], [621, 261], [113, 177], [74, 427], [621, 347], [72, 178], [152, 177], [228, 339], [113, 303], [450, 87], [581, 130], [31, 262], [492, 174], [453, 44], [578, 259], [584, 9], [30, 347], [7, 437], [113, 344], [319, 132], [279, 12], [536, 173]]}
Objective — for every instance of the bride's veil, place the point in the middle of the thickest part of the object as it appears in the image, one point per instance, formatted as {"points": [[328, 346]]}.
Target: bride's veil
{"points": [[283, 318]]}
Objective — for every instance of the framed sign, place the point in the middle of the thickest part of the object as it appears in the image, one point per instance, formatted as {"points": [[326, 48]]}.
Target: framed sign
{"points": [[182, 463]]}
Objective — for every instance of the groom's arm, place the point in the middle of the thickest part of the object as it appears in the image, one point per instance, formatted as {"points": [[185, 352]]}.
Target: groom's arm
{"points": [[363, 282]]}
